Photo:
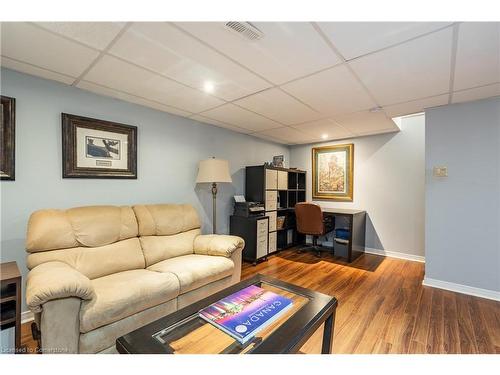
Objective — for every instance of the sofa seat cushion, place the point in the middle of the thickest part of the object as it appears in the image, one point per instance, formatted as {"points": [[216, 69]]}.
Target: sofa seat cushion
{"points": [[194, 271], [123, 294]]}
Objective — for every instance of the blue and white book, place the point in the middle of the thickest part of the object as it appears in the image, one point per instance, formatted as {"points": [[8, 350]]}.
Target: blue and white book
{"points": [[242, 314]]}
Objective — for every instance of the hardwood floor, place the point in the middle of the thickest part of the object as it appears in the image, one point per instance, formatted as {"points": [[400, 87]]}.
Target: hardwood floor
{"points": [[383, 307]]}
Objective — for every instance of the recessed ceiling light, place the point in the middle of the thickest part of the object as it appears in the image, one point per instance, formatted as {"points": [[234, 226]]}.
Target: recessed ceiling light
{"points": [[209, 87], [324, 136]]}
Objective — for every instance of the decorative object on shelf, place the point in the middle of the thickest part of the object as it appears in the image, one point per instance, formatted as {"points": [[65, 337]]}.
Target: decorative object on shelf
{"points": [[7, 138], [280, 222], [333, 172], [278, 161], [213, 171], [94, 148]]}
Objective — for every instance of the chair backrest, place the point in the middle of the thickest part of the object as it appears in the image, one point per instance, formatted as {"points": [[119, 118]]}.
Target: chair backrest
{"points": [[309, 218]]}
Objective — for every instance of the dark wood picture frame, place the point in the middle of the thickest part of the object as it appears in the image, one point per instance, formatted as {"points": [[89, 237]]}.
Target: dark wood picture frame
{"points": [[8, 138], [70, 123]]}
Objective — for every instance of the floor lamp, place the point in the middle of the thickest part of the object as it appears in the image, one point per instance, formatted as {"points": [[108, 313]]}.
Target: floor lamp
{"points": [[213, 171]]}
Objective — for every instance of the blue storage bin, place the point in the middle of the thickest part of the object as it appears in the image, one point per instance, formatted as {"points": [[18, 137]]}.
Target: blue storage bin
{"points": [[342, 233]]}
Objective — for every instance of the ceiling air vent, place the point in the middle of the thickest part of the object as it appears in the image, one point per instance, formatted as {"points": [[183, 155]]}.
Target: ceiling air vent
{"points": [[245, 30]]}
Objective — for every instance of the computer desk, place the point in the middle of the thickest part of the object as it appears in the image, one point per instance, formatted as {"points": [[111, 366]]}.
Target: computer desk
{"points": [[356, 220]]}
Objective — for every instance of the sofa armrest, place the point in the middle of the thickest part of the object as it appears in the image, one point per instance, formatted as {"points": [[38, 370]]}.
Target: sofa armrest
{"points": [[217, 244], [54, 280]]}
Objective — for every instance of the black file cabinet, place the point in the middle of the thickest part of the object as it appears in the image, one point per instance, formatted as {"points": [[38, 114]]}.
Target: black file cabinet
{"points": [[255, 232]]}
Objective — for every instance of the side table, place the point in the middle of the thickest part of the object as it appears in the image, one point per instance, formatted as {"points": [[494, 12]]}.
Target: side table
{"points": [[10, 300]]}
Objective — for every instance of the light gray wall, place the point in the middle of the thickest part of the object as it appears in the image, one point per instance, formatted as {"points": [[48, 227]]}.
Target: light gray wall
{"points": [[388, 185], [462, 222], [169, 148]]}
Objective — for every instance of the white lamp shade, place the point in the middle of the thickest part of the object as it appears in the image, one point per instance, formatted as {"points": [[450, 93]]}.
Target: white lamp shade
{"points": [[213, 170]]}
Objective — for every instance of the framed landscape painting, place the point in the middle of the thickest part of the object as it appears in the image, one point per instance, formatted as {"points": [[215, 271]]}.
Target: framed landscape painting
{"points": [[333, 170], [7, 138], [98, 149]]}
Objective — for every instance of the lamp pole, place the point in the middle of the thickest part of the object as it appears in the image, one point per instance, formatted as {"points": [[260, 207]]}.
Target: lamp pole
{"points": [[214, 212], [213, 171]]}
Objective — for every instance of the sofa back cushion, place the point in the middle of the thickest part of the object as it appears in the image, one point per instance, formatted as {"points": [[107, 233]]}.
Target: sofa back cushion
{"points": [[166, 230], [95, 240], [158, 248]]}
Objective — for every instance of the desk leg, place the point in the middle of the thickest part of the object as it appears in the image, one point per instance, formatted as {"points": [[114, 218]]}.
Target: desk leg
{"points": [[327, 345]]}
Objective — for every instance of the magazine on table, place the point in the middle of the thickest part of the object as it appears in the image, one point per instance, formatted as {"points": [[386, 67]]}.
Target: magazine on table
{"points": [[244, 313]]}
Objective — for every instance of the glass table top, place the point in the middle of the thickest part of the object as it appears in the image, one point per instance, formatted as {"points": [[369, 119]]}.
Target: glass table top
{"points": [[194, 335]]}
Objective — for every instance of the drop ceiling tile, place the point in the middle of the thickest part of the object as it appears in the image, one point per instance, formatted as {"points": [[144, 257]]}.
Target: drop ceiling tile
{"points": [[279, 106], [27, 43], [94, 34], [417, 69], [287, 135], [478, 54], [165, 49], [234, 115], [354, 39], [119, 75], [268, 138], [5, 62], [220, 124], [101, 90], [364, 123], [287, 51], [331, 92], [325, 129], [415, 106], [476, 93]]}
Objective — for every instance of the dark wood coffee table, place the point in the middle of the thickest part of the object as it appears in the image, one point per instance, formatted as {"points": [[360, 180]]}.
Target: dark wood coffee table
{"points": [[183, 332]]}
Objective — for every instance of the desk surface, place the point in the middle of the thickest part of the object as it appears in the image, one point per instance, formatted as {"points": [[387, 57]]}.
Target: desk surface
{"points": [[345, 211]]}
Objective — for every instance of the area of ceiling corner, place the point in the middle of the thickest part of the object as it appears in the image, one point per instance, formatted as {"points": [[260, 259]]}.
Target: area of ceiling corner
{"points": [[398, 120]]}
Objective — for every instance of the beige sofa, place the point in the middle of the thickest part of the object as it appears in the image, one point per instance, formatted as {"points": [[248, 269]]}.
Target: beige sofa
{"points": [[99, 272]]}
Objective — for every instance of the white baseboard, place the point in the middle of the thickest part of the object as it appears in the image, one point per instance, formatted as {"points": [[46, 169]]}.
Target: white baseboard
{"points": [[395, 254], [464, 289], [27, 316]]}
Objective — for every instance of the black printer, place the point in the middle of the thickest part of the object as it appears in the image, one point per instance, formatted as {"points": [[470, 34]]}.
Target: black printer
{"points": [[249, 209]]}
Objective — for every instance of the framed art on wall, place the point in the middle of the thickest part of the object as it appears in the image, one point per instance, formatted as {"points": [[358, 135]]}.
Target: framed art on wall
{"points": [[94, 148], [333, 170], [7, 138]]}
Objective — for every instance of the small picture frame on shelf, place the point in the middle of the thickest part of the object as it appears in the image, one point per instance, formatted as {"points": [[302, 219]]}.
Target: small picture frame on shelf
{"points": [[279, 161]]}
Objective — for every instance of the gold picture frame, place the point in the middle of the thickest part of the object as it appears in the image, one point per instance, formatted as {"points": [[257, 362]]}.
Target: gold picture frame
{"points": [[333, 172]]}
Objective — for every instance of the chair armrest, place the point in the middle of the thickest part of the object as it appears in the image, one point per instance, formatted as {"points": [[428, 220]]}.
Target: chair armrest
{"points": [[217, 244], [54, 280]]}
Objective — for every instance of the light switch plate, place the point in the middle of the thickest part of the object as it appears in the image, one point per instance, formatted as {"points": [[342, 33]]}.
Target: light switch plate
{"points": [[440, 171]]}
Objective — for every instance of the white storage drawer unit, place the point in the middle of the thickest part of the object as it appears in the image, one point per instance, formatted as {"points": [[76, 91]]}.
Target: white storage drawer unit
{"points": [[272, 242], [255, 232], [271, 203]]}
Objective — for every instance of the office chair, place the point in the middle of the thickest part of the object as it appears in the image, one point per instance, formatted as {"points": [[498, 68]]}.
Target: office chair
{"points": [[310, 221]]}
